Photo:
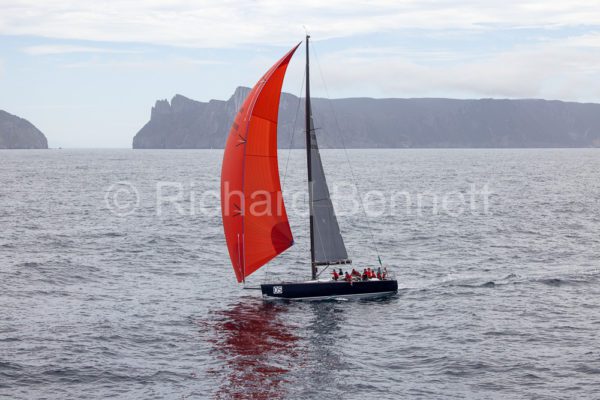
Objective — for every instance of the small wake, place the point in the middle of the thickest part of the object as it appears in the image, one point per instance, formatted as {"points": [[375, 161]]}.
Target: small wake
{"points": [[481, 282]]}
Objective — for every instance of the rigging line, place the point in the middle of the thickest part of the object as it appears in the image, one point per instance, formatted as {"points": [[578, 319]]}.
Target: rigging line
{"points": [[323, 270], [346, 154], [311, 203], [293, 135]]}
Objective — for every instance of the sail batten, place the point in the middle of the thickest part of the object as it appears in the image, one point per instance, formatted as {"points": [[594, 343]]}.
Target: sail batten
{"points": [[254, 217]]}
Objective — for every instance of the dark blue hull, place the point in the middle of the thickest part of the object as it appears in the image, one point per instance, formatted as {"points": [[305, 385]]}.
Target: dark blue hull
{"points": [[328, 289]]}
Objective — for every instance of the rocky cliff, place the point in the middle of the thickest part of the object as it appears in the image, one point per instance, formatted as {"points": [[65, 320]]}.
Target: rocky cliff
{"points": [[18, 133], [391, 123]]}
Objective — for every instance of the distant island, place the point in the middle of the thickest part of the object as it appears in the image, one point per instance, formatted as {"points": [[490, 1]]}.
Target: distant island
{"points": [[383, 123], [18, 133]]}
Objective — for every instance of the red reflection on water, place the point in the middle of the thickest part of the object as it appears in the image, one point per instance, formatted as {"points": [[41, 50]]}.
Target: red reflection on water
{"points": [[257, 347]]}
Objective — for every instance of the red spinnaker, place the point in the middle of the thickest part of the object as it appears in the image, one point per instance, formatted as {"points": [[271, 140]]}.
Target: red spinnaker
{"points": [[254, 217]]}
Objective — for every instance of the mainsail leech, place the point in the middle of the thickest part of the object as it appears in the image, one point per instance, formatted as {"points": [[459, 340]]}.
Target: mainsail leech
{"points": [[254, 217]]}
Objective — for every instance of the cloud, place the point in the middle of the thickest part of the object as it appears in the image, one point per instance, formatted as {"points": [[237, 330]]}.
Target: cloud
{"points": [[562, 69], [65, 49], [519, 66], [169, 63], [237, 23]]}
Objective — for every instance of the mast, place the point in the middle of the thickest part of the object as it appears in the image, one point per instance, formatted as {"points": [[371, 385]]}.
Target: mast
{"points": [[313, 266]]}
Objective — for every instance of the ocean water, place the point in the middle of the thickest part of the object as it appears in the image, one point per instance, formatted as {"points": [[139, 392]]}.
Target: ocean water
{"points": [[115, 281]]}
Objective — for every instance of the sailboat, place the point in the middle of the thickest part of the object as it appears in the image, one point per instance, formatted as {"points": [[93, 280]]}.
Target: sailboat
{"points": [[254, 216]]}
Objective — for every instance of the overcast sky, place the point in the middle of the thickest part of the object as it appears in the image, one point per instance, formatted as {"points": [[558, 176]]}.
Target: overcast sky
{"points": [[88, 72]]}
